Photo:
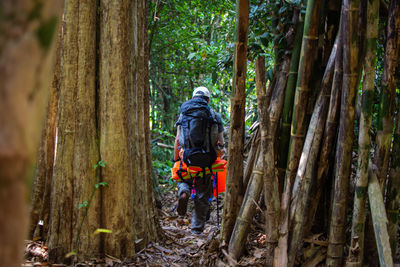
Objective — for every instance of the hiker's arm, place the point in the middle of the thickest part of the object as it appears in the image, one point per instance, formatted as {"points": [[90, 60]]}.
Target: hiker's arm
{"points": [[176, 145]]}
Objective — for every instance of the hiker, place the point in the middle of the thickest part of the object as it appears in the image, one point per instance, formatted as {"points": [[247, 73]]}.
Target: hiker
{"points": [[199, 141]]}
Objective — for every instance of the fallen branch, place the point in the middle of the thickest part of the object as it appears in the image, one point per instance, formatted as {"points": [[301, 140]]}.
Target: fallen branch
{"points": [[164, 145], [379, 219]]}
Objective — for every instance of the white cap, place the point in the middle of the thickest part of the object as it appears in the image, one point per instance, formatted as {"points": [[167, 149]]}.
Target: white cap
{"points": [[201, 91]]}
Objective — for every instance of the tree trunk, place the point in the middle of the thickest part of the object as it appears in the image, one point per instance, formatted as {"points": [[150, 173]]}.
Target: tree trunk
{"points": [[102, 119], [76, 138], [388, 93], [26, 60], [345, 138], [121, 124], [40, 208], [234, 180], [356, 250], [154, 229]]}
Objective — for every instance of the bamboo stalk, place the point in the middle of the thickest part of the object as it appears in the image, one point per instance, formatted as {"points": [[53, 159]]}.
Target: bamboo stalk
{"points": [[345, 138], [289, 98], [388, 92], [385, 127], [247, 211], [298, 125], [379, 219], [329, 135], [234, 180], [356, 250], [393, 189], [309, 159], [251, 160], [268, 124]]}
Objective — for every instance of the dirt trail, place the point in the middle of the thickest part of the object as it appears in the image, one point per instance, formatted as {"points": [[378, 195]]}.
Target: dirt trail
{"points": [[179, 246]]}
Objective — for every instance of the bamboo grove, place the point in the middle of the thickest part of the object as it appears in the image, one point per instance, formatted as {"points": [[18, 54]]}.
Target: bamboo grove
{"points": [[325, 156]]}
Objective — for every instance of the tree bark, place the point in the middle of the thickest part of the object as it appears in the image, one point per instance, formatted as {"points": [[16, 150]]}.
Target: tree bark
{"points": [[103, 118], [40, 208], [26, 60], [76, 139], [234, 181]]}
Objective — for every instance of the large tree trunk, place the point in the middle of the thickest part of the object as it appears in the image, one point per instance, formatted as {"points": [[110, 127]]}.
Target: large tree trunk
{"points": [[26, 60], [234, 180], [121, 112], [107, 119], [345, 137], [356, 250], [40, 209], [74, 175], [153, 230]]}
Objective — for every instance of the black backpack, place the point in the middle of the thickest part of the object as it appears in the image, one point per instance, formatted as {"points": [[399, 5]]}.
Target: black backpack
{"points": [[196, 122]]}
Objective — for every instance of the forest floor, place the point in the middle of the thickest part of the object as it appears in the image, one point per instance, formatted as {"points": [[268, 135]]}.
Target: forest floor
{"points": [[179, 247]]}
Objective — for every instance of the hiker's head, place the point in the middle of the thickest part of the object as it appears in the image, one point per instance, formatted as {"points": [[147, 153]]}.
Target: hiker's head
{"points": [[202, 92]]}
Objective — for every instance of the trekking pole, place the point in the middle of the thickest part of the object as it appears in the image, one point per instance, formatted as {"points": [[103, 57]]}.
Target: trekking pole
{"points": [[216, 188]]}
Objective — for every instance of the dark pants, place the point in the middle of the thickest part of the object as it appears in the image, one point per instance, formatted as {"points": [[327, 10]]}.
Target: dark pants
{"points": [[204, 190]]}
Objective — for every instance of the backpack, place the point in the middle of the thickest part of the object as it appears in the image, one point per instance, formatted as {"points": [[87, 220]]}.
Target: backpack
{"points": [[196, 122]]}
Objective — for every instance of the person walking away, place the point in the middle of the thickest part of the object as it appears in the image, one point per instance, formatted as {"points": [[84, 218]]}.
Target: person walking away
{"points": [[199, 141]]}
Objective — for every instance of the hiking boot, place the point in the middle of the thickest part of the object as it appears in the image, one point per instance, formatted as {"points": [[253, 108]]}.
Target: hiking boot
{"points": [[208, 214], [182, 204], [196, 232]]}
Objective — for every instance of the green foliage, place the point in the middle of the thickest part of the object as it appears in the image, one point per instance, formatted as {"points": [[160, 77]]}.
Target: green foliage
{"points": [[163, 167], [84, 204], [192, 49], [46, 31], [192, 44]]}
